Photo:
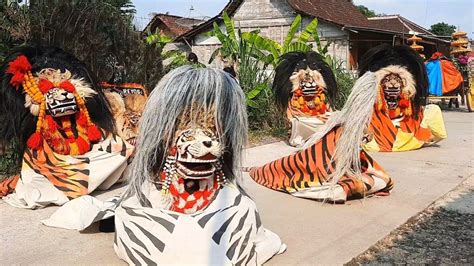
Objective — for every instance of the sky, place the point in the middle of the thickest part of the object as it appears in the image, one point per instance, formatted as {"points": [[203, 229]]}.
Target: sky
{"points": [[459, 13]]}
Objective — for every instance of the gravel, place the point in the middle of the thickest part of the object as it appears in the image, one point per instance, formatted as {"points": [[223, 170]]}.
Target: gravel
{"points": [[439, 235]]}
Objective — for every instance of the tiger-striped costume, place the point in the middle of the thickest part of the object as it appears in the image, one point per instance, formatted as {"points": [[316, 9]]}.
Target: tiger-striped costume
{"points": [[8, 185], [186, 207], [227, 232], [63, 127], [50, 178], [401, 120], [306, 173], [406, 133], [230, 227]]}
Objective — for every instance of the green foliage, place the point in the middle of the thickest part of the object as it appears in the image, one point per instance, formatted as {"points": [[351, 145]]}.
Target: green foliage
{"points": [[345, 81], [10, 161], [100, 33], [264, 49], [366, 12], [292, 43], [255, 78], [171, 58], [14, 27], [321, 49], [244, 53], [158, 39], [230, 48], [442, 29], [251, 55]]}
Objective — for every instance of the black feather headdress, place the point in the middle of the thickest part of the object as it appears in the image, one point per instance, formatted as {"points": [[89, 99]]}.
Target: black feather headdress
{"points": [[293, 62], [13, 99], [385, 55]]}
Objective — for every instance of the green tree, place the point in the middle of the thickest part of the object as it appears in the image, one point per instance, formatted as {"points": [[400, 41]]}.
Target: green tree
{"points": [[366, 11], [442, 29], [14, 26], [100, 33]]}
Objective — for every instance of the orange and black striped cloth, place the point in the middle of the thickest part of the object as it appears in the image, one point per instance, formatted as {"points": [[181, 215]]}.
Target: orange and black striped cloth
{"points": [[307, 172], [406, 133], [8, 185], [50, 178]]}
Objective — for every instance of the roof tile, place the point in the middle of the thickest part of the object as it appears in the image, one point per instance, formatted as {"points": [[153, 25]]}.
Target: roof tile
{"points": [[341, 12]]}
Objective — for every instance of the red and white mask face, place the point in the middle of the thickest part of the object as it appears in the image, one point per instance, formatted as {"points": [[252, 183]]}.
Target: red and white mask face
{"points": [[308, 92], [193, 170], [198, 150], [59, 89], [396, 89]]}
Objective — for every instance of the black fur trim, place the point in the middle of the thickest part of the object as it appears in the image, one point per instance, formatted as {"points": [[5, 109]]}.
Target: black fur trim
{"points": [[21, 124], [296, 60], [401, 55]]}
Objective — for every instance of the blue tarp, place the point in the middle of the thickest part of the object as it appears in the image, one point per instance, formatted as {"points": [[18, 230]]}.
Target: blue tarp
{"points": [[435, 77]]}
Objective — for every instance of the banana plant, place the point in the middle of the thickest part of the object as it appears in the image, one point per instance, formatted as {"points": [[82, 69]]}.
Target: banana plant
{"points": [[322, 50], [248, 60], [233, 44], [292, 42], [158, 39], [175, 58]]}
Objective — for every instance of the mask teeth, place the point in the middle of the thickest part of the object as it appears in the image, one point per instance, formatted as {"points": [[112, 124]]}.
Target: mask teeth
{"points": [[203, 185]]}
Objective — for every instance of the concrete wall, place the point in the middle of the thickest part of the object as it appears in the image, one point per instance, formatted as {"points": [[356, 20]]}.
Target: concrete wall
{"points": [[273, 18]]}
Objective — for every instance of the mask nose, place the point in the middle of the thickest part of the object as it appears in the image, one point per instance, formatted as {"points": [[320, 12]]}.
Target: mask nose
{"points": [[207, 143]]}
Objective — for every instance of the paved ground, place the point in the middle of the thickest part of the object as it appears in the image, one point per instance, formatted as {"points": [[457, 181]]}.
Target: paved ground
{"points": [[315, 233], [442, 234]]}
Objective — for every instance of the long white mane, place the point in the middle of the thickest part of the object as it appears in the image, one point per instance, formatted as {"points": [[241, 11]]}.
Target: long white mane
{"points": [[192, 91]]}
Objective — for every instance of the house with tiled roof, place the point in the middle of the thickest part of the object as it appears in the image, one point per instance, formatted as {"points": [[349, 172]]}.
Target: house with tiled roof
{"points": [[348, 31], [403, 28], [171, 25], [397, 23]]}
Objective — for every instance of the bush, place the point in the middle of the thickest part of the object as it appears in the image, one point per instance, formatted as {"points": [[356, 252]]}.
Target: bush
{"points": [[10, 161], [345, 81]]}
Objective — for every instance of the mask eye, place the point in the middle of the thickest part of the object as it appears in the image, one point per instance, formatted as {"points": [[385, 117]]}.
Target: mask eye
{"points": [[186, 138], [208, 133], [300, 65]]}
